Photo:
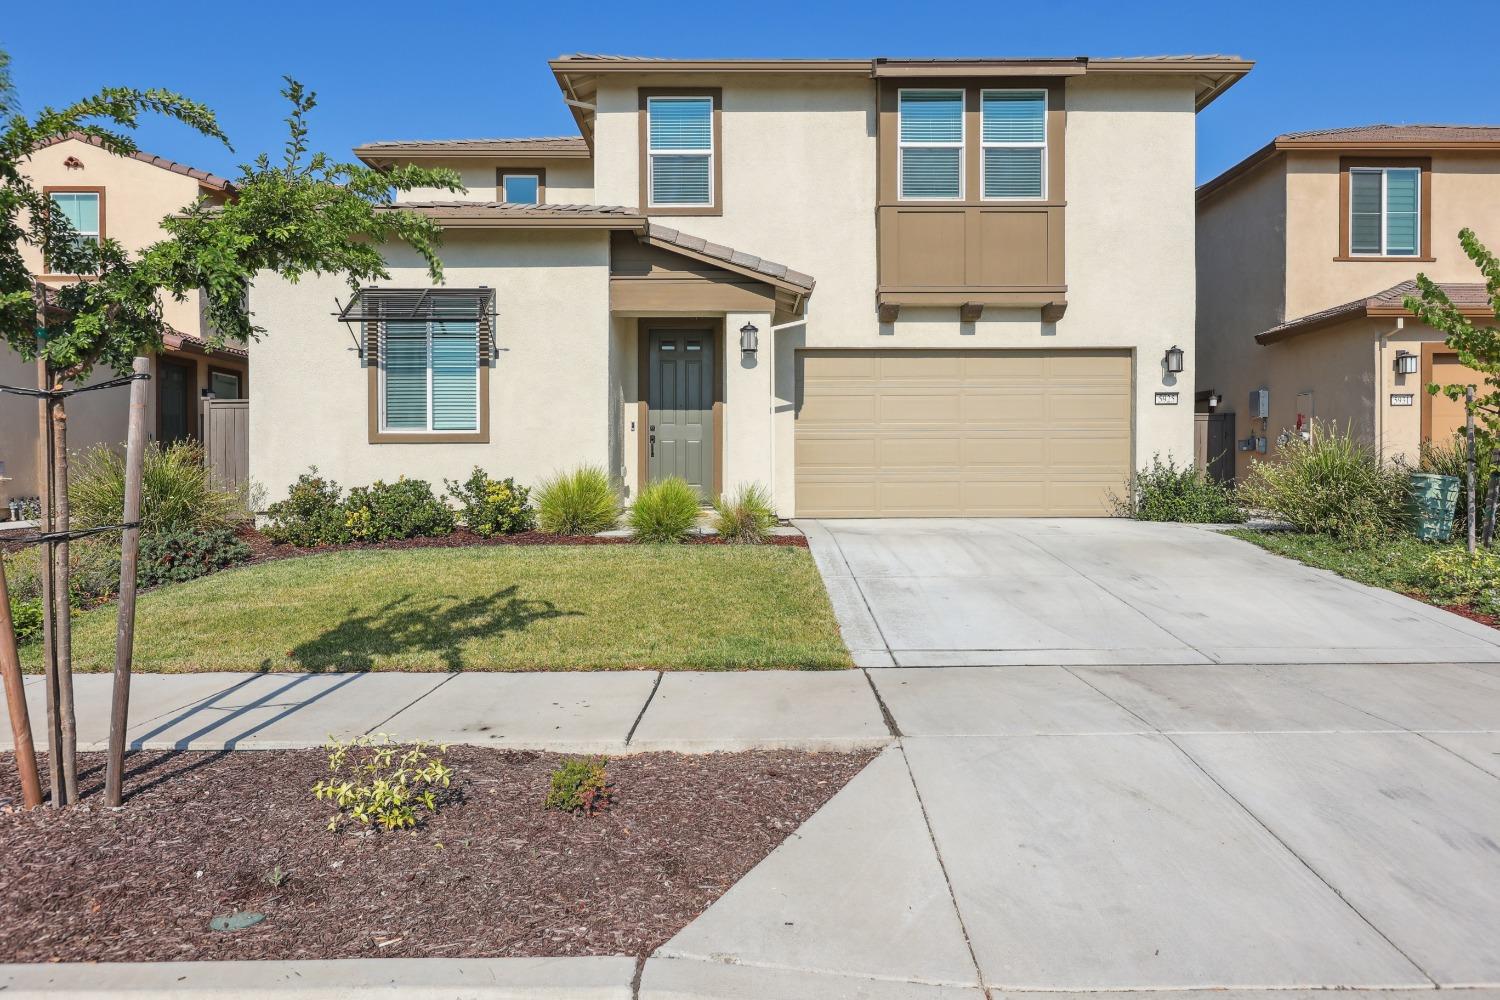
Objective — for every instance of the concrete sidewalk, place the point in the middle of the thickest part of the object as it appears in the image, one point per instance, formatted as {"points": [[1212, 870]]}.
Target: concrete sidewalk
{"points": [[611, 712]]}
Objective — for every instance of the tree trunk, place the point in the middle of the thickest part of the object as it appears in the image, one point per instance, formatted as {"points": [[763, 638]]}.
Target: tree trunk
{"points": [[49, 607], [15, 697], [68, 719], [130, 544]]}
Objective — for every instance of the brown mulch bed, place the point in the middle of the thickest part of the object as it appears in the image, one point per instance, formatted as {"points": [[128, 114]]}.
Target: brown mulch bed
{"points": [[493, 874], [266, 550]]}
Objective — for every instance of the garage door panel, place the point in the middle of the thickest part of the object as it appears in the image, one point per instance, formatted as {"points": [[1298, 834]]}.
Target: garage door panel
{"points": [[906, 433]]}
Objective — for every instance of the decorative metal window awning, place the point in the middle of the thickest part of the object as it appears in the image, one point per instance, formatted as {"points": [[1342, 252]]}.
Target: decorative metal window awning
{"points": [[376, 304], [372, 306]]}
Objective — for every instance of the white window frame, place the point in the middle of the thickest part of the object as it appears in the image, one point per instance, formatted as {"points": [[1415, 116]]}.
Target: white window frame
{"points": [[961, 144], [983, 145], [652, 154], [532, 175], [1385, 210], [385, 428], [98, 234]]}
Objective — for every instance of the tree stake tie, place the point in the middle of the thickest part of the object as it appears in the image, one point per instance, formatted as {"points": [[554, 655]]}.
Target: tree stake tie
{"points": [[113, 383]]}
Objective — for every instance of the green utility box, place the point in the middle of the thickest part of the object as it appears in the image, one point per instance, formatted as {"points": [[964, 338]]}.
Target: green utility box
{"points": [[1431, 502]]}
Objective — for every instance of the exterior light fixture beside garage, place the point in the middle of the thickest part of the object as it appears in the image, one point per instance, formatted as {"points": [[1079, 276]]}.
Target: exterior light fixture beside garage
{"points": [[749, 338], [1406, 363], [1174, 359]]}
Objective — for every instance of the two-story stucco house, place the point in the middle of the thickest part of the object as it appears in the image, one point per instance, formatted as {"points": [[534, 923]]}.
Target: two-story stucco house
{"points": [[123, 198], [1306, 250], [877, 287]]}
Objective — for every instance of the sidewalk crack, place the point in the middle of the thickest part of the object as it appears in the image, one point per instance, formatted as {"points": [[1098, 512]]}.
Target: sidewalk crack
{"points": [[376, 728]]}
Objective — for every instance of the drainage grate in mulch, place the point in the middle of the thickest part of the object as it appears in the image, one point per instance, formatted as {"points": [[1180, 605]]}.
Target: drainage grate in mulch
{"points": [[208, 834]]}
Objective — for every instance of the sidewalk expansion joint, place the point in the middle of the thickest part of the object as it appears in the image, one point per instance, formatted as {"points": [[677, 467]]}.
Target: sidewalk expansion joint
{"points": [[376, 728], [885, 713]]}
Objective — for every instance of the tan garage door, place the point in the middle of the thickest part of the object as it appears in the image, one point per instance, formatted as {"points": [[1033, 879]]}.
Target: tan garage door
{"points": [[945, 433]]}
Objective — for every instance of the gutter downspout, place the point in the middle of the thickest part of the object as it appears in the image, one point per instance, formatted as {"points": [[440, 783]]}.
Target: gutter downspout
{"points": [[1380, 370]]}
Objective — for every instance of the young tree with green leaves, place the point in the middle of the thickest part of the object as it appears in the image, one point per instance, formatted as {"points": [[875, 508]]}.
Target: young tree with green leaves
{"points": [[1478, 347], [304, 213]]}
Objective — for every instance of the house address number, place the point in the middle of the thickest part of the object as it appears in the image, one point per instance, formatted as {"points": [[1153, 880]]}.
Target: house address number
{"points": [[1166, 399], [1401, 399]]}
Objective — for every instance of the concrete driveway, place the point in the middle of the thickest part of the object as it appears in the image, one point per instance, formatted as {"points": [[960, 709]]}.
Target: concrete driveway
{"points": [[977, 592]]}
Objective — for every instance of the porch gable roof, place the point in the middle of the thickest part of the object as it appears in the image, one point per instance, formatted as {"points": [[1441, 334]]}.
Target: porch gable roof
{"points": [[1472, 299]]}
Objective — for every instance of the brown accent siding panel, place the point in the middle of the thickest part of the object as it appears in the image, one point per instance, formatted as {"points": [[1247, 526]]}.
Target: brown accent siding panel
{"points": [[954, 433]]}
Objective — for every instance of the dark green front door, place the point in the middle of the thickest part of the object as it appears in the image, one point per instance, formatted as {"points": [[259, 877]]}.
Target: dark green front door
{"points": [[680, 403]]}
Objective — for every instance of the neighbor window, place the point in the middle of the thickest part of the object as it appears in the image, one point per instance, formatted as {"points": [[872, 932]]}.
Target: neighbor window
{"points": [[1385, 211], [430, 376], [680, 151], [932, 145], [521, 189], [1014, 139], [83, 212]]}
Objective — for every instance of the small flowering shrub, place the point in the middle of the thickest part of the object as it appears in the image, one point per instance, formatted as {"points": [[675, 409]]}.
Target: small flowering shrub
{"points": [[406, 508], [311, 514], [1451, 575], [378, 782], [581, 784], [492, 506]]}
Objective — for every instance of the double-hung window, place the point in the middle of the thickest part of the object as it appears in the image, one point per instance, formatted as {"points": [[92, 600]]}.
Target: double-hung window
{"points": [[931, 145], [680, 151], [1385, 211], [429, 376], [1014, 141], [82, 209]]}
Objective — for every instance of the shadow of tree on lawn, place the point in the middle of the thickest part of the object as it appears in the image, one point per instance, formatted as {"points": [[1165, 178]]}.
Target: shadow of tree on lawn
{"points": [[435, 626]]}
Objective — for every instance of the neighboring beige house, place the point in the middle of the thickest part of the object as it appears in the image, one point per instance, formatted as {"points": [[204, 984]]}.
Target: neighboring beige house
{"points": [[877, 287], [1306, 250], [124, 198]]}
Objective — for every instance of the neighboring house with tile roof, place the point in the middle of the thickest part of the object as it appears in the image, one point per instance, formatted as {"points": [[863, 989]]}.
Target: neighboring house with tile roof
{"points": [[874, 286], [123, 198], [1305, 251]]}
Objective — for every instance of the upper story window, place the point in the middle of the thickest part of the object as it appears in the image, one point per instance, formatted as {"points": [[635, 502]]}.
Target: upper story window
{"points": [[84, 211], [1013, 134], [1385, 211], [429, 376], [680, 151], [931, 144], [521, 187]]}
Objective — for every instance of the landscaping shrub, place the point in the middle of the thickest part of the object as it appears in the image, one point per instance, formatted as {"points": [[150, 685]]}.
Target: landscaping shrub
{"points": [[580, 502], [1163, 491], [178, 492], [492, 506], [171, 557], [1332, 483], [376, 781], [581, 784], [93, 565], [406, 508], [665, 511], [745, 516], [1451, 459], [311, 514], [1450, 575], [26, 618]]}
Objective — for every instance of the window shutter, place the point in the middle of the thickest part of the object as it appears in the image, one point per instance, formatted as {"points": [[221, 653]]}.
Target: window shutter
{"points": [[1364, 211], [455, 375], [1401, 212], [405, 361]]}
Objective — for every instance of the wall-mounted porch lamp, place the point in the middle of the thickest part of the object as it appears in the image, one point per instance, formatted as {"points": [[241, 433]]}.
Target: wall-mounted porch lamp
{"points": [[1174, 359], [1213, 400], [749, 338], [1406, 363]]}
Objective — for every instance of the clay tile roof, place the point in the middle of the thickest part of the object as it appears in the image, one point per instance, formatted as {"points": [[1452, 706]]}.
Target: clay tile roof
{"points": [[203, 177], [516, 209], [1435, 134], [667, 237], [1472, 298], [538, 147]]}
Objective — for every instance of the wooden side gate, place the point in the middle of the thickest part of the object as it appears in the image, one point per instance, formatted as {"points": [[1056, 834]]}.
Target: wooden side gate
{"points": [[226, 441]]}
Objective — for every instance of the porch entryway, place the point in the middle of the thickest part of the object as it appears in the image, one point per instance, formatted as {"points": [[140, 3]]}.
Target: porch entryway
{"points": [[683, 395]]}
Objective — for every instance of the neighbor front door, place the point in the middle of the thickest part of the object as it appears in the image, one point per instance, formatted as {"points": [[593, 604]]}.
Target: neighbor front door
{"points": [[680, 408], [175, 397]]}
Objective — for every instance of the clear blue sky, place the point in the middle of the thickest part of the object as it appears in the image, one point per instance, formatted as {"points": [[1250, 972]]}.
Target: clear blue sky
{"points": [[386, 70]]}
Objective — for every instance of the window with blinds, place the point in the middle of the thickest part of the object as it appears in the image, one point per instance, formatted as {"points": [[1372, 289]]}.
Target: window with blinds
{"points": [[680, 150], [931, 144], [1385, 211], [430, 375], [82, 210], [1013, 137]]}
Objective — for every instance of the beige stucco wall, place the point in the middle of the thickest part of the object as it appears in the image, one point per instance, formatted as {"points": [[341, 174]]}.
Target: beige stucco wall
{"points": [[549, 387], [799, 171], [569, 182]]}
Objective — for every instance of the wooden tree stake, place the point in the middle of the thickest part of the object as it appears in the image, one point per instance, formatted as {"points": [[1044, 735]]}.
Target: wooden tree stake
{"points": [[49, 585], [130, 546], [15, 698]]}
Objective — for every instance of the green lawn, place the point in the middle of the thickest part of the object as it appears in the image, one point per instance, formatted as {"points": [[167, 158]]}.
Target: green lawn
{"points": [[1393, 564], [486, 608]]}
